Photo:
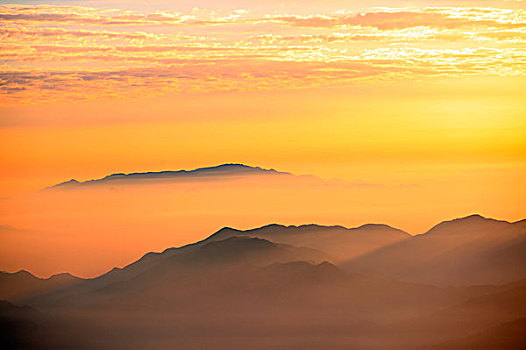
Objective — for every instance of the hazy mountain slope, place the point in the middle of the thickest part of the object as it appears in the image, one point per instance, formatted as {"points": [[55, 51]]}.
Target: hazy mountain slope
{"points": [[284, 305], [339, 242], [23, 285], [229, 306], [23, 327], [509, 336], [19, 326], [466, 251], [470, 316], [181, 263]]}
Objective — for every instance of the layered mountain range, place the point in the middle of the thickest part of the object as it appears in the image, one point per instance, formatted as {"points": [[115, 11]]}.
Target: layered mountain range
{"points": [[461, 285]]}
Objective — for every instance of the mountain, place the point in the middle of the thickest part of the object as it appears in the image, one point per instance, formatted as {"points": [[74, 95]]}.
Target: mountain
{"points": [[22, 285], [473, 315], [154, 269], [318, 243], [509, 335], [465, 251], [246, 289], [219, 172], [339, 242], [19, 326]]}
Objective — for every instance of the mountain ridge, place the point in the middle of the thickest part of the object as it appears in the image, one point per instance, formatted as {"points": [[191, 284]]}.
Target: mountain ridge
{"points": [[338, 241], [467, 250], [300, 227], [469, 219], [222, 170]]}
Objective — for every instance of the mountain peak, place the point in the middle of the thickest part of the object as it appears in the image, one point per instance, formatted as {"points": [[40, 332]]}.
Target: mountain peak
{"points": [[224, 231], [464, 224], [473, 217], [63, 276], [23, 273], [28, 275], [373, 226]]}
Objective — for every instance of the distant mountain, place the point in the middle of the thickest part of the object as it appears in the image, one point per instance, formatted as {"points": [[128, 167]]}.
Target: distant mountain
{"points": [[465, 251], [339, 242], [22, 285], [201, 174], [332, 243], [155, 269], [319, 243]]}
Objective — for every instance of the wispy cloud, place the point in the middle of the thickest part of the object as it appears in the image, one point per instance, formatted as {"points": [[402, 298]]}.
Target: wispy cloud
{"points": [[88, 52]]}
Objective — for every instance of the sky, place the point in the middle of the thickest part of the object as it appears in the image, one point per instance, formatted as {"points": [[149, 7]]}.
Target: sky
{"points": [[416, 107]]}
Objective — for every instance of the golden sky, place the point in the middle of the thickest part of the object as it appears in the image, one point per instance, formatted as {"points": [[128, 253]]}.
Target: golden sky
{"points": [[418, 106]]}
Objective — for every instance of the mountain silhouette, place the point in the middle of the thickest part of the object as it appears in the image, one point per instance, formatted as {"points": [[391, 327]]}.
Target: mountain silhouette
{"points": [[325, 243], [156, 268], [339, 242], [465, 251], [22, 285], [201, 174]]}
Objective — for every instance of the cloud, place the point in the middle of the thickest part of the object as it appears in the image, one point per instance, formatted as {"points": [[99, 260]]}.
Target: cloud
{"points": [[89, 52], [82, 16], [23, 33], [382, 18], [232, 73], [400, 19]]}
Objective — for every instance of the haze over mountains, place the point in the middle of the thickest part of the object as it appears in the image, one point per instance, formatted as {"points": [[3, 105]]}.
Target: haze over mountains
{"points": [[460, 284], [90, 226]]}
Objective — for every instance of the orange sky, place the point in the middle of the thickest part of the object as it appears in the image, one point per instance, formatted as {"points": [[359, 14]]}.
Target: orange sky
{"points": [[423, 100]]}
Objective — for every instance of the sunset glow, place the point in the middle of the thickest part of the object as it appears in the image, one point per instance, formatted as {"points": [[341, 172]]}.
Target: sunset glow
{"points": [[406, 114]]}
